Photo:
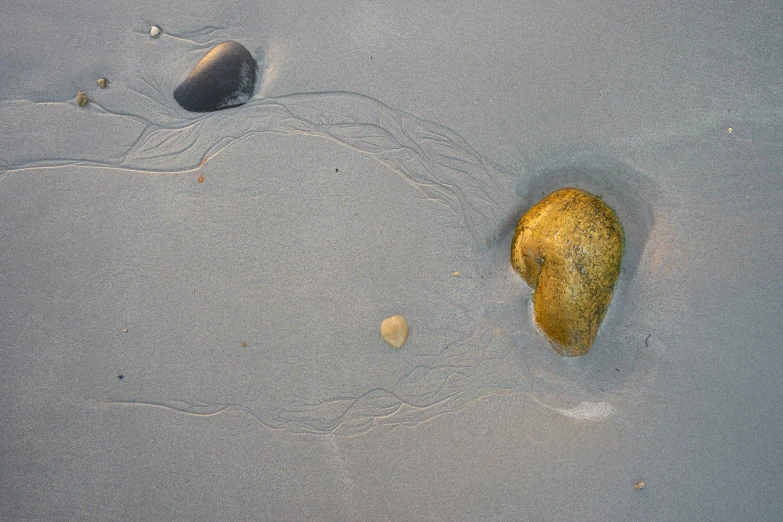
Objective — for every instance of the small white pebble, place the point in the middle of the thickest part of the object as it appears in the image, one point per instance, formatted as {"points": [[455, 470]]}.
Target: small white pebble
{"points": [[154, 31], [730, 130], [394, 330]]}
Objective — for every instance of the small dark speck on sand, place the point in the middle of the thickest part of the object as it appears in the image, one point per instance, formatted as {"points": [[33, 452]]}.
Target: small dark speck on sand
{"points": [[337, 170], [120, 377]]}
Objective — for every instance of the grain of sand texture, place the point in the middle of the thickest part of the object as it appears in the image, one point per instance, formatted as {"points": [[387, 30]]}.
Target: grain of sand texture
{"points": [[190, 303]]}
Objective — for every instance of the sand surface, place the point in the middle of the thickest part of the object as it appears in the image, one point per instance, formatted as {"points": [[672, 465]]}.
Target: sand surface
{"points": [[190, 303]]}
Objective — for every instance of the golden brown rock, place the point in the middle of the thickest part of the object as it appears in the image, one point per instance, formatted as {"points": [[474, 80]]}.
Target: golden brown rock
{"points": [[569, 247], [102, 83], [81, 99], [394, 330]]}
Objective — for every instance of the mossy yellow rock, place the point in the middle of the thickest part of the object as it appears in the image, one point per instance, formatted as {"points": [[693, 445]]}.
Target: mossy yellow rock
{"points": [[569, 247]]}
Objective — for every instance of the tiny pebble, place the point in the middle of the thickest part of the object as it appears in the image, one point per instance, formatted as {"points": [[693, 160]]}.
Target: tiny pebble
{"points": [[200, 179], [102, 83], [154, 31], [244, 345], [638, 486], [394, 330], [456, 274], [81, 99], [125, 330], [731, 130]]}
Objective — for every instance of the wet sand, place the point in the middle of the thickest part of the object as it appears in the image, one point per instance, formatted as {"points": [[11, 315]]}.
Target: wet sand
{"points": [[190, 302]]}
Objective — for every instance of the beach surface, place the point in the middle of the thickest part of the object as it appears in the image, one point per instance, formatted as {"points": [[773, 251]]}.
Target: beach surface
{"points": [[190, 303]]}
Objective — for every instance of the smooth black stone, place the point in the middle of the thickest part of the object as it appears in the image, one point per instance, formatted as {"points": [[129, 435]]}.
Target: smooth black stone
{"points": [[225, 77]]}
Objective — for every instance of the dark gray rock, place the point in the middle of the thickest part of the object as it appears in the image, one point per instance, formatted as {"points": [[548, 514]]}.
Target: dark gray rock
{"points": [[225, 77]]}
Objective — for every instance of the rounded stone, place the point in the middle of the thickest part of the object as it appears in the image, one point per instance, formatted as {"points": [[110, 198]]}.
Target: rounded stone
{"points": [[568, 248], [81, 99], [225, 77], [102, 83], [154, 31], [394, 330]]}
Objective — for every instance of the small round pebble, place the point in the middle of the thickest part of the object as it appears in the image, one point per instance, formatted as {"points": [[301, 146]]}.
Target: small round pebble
{"points": [[81, 99], [154, 31], [394, 330], [102, 83]]}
